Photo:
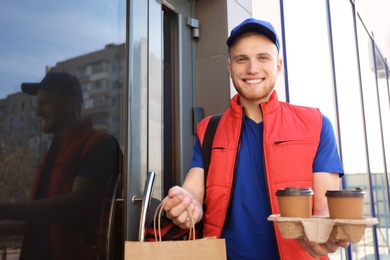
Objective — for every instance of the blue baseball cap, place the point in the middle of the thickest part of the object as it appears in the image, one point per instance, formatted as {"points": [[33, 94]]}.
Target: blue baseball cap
{"points": [[56, 81], [254, 25]]}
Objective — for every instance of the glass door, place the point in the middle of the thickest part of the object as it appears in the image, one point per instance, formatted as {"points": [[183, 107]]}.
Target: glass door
{"points": [[86, 40], [161, 93]]}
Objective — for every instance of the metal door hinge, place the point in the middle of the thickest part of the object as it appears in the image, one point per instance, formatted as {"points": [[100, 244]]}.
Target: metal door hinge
{"points": [[194, 25]]}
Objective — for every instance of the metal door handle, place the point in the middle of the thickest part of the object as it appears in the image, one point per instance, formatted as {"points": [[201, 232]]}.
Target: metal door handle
{"points": [[145, 200]]}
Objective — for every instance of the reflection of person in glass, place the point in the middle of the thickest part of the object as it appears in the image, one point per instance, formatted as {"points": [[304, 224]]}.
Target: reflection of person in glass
{"points": [[65, 214]]}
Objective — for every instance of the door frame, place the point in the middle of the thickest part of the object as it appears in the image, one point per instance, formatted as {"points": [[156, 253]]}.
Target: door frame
{"points": [[145, 137]]}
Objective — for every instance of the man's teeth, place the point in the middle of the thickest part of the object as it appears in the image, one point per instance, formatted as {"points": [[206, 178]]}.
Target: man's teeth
{"points": [[253, 81]]}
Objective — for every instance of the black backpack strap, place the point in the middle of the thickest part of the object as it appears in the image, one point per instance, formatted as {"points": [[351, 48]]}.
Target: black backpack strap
{"points": [[208, 142]]}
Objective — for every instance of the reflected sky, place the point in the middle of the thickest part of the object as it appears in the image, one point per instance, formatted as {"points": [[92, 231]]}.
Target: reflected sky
{"points": [[40, 33]]}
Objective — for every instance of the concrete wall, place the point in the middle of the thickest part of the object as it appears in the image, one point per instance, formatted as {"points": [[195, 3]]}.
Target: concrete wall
{"points": [[216, 19]]}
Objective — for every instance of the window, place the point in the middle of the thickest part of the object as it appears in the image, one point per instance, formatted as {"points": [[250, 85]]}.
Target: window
{"points": [[75, 35], [98, 67]]}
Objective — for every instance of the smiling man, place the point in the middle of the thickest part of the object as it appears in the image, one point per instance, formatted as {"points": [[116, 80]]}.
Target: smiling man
{"points": [[261, 145]]}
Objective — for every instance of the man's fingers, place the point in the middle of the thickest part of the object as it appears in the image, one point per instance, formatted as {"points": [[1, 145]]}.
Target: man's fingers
{"points": [[183, 220], [315, 250], [343, 244], [184, 217], [178, 200], [318, 250], [332, 246], [172, 202], [174, 191], [176, 206], [177, 190]]}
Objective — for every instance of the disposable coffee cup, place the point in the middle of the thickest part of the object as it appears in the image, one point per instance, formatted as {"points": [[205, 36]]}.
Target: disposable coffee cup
{"points": [[295, 202], [346, 204]]}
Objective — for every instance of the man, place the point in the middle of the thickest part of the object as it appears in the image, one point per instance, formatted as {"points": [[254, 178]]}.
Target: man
{"points": [[261, 145], [65, 215]]}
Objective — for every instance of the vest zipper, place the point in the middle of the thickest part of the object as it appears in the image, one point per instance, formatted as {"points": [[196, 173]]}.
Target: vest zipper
{"points": [[266, 179], [235, 167]]}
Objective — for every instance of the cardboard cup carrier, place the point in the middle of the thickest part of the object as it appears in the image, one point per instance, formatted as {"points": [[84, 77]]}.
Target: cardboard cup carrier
{"points": [[346, 221]]}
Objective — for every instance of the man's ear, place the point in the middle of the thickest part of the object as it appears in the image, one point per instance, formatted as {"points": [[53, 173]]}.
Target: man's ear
{"points": [[70, 102], [229, 67], [279, 66]]}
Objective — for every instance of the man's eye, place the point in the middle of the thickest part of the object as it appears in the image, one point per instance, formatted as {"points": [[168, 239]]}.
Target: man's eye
{"points": [[265, 57]]}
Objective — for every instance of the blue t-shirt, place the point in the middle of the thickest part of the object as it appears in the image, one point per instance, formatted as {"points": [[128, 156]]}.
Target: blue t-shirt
{"points": [[248, 233]]}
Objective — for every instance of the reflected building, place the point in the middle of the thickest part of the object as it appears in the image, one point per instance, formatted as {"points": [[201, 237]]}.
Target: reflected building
{"points": [[101, 74], [3, 107], [20, 144]]}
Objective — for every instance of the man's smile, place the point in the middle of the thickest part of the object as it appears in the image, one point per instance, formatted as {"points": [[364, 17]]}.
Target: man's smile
{"points": [[253, 81]]}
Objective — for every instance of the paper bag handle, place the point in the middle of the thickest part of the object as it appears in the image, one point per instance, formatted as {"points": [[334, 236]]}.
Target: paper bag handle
{"points": [[157, 219]]}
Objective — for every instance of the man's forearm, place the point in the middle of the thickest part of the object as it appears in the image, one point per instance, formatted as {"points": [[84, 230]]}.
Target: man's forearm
{"points": [[12, 228], [50, 210]]}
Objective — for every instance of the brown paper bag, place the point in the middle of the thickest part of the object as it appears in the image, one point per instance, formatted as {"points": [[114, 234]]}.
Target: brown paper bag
{"points": [[193, 249]]}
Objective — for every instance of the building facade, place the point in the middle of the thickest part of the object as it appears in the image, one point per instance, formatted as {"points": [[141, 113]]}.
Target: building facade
{"points": [[163, 68]]}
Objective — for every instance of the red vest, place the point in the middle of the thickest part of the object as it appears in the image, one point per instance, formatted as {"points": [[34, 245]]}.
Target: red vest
{"points": [[291, 138]]}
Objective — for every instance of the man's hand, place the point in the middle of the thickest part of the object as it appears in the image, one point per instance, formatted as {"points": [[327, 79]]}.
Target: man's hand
{"points": [[178, 200], [318, 250]]}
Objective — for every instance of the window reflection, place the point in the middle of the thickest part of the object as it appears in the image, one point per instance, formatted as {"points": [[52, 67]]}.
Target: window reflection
{"points": [[364, 140], [352, 133], [371, 90], [85, 39], [381, 178]]}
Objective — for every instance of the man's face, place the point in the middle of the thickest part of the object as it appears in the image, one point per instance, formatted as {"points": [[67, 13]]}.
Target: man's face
{"points": [[52, 108], [254, 66]]}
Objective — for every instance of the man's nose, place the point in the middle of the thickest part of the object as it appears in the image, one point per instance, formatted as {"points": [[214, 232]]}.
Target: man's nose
{"points": [[253, 67]]}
